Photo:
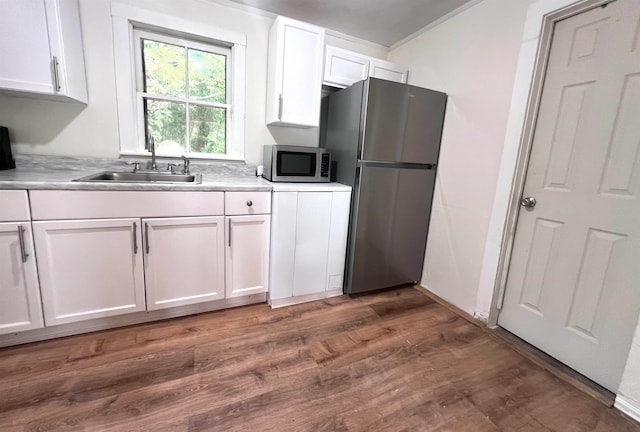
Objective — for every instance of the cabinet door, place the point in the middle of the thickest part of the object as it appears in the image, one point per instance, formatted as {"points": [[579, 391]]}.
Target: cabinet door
{"points": [[20, 307], [296, 55], [283, 244], [184, 260], [41, 50], [388, 71], [312, 242], [340, 207], [89, 268], [343, 68], [26, 59], [247, 258]]}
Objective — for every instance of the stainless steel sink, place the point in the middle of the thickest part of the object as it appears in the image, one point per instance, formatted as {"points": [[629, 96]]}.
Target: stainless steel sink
{"points": [[141, 177]]}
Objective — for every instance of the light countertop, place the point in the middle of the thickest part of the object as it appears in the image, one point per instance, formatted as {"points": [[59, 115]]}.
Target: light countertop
{"points": [[37, 172], [309, 187], [63, 180]]}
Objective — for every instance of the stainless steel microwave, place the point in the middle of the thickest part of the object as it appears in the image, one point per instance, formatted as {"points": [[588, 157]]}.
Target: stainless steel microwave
{"points": [[296, 164]]}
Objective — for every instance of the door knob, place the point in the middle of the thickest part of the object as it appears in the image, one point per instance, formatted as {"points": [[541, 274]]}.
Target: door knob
{"points": [[528, 202]]}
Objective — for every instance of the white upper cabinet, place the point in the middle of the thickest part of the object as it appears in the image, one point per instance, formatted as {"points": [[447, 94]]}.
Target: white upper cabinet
{"points": [[41, 49], [388, 71], [342, 68], [294, 83]]}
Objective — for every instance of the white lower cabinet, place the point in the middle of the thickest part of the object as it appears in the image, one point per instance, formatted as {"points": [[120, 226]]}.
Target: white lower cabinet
{"points": [[184, 260], [313, 226], [247, 266], [20, 307], [100, 254], [309, 238], [89, 268]]}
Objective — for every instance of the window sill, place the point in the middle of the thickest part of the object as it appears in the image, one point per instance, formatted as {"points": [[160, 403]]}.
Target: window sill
{"points": [[198, 157]]}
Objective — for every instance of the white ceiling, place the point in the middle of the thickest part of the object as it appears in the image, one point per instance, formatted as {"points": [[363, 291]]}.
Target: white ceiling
{"points": [[384, 22]]}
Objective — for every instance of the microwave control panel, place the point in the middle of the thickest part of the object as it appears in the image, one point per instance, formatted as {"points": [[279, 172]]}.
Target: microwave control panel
{"points": [[324, 165]]}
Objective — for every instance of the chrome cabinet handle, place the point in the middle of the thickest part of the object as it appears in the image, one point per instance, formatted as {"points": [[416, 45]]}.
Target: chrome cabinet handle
{"points": [[23, 251], [249, 203], [528, 202], [135, 238], [280, 107], [56, 74], [146, 237], [229, 232]]}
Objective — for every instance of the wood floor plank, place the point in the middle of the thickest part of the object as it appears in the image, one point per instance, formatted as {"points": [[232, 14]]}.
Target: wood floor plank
{"points": [[388, 361]]}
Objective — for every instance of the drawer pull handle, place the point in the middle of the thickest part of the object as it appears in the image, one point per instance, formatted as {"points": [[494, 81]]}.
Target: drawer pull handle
{"points": [[249, 203]]}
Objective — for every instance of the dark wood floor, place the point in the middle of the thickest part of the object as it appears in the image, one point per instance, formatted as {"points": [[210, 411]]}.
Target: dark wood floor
{"points": [[392, 361]]}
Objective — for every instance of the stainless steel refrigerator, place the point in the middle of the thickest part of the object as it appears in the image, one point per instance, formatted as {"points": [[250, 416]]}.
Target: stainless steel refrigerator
{"points": [[385, 140]]}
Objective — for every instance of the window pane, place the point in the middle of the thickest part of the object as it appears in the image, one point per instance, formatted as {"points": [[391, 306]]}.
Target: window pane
{"points": [[164, 68], [166, 122], [207, 76], [208, 129]]}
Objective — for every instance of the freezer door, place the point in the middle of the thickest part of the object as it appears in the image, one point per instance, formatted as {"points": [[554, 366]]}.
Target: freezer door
{"points": [[403, 123], [389, 227]]}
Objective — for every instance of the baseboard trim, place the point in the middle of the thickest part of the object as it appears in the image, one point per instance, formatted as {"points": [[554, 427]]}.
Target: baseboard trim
{"points": [[125, 320], [627, 406], [455, 309], [290, 301], [533, 354], [555, 367]]}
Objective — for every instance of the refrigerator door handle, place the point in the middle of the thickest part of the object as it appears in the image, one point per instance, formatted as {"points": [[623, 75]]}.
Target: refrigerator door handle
{"points": [[403, 165]]}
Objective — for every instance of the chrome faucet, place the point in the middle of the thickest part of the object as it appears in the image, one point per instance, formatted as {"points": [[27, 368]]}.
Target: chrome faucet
{"points": [[151, 146], [187, 162]]}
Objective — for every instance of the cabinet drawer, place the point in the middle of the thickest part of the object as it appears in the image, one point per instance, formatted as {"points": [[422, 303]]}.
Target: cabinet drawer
{"points": [[247, 203], [14, 206], [51, 205]]}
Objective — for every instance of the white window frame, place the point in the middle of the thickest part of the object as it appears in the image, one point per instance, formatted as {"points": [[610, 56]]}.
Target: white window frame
{"points": [[143, 34], [127, 21]]}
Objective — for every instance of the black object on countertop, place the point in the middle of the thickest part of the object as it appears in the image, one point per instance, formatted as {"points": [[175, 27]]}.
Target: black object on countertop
{"points": [[6, 158]]}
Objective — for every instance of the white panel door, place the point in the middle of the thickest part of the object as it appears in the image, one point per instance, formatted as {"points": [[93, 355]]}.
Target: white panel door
{"points": [[89, 268], [20, 307], [312, 242], [342, 68], [247, 257], [573, 282], [184, 260]]}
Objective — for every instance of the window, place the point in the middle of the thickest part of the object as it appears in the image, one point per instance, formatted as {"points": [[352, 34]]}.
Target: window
{"points": [[181, 83], [181, 90]]}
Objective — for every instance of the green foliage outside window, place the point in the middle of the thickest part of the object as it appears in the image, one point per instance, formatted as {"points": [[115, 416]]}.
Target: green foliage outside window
{"points": [[196, 77]]}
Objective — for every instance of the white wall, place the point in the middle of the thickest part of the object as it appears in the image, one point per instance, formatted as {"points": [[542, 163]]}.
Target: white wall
{"points": [[629, 392], [472, 57], [56, 128]]}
